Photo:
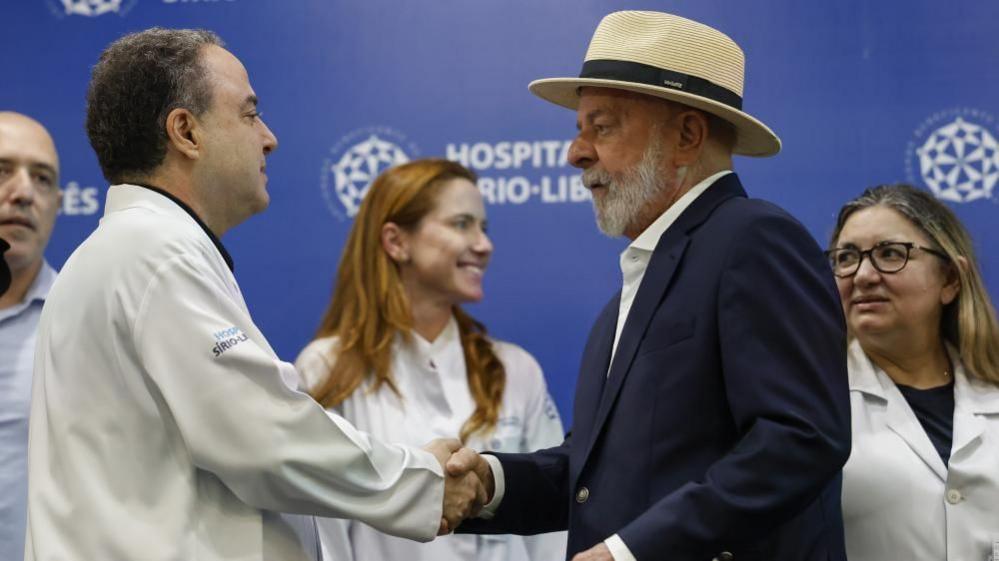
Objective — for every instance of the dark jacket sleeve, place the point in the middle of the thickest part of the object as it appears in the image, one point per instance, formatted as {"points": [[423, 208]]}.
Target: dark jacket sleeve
{"points": [[536, 498]]}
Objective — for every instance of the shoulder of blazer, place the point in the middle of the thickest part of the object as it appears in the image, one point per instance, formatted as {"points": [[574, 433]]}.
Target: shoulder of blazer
{"points": [[724, 189]]}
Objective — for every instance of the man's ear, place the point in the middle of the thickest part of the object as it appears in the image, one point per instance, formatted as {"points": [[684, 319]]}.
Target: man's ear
{"points": [[692, 129], [184, 133], [395, 242]]}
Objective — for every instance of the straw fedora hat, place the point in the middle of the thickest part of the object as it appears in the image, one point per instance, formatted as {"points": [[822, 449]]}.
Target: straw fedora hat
{"points": [[671, 57]]}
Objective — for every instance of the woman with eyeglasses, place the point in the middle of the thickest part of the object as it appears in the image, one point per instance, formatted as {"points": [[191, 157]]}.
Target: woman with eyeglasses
{"points": [[399, 358], [922, 481]]}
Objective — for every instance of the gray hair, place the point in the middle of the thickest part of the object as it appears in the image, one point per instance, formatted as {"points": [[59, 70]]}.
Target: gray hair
{"points": [[138, 80]]}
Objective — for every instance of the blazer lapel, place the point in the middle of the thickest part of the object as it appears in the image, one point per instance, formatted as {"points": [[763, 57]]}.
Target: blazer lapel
{"points": [[593, 373], [662, 267]]}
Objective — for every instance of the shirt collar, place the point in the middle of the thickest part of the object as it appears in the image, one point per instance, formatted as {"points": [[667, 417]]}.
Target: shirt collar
{"points": [[37, 292], [40, 287], [648, 239], [427, 349], [122, 196]]}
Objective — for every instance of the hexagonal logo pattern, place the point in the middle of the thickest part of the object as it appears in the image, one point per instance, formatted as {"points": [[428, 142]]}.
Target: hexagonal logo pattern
{"points": [[90, 8], [356, 161], [956, 156]]}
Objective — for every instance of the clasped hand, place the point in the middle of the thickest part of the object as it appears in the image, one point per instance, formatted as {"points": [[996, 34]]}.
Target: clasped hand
{"points": [[468, 482]]}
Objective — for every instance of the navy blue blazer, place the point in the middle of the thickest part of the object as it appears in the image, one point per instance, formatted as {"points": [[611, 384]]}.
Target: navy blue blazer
{"points": [[725, 418]]}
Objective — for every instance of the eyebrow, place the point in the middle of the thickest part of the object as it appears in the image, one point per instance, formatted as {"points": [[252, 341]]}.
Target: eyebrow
{"points": [[851, 245], [34, 166], [46, 167], [250, 102], [468, 216], [590, 117]]}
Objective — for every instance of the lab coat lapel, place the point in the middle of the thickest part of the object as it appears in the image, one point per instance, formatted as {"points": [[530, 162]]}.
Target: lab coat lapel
{"points": [[904, 423], [871, 380]]}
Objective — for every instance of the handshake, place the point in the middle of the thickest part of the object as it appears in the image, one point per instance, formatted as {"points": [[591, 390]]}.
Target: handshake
{"points": [[468, 482]]}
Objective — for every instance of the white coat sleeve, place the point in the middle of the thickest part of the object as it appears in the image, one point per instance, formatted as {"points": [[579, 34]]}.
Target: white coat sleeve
{"points": [[274, 447], [313, 365], [542, 429]]}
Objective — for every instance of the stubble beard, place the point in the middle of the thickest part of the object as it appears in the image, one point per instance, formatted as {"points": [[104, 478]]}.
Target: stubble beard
{"points": [[627, 194]]}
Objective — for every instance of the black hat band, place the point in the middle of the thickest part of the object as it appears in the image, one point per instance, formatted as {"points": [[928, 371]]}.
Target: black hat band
{"points": [[639, 73]]}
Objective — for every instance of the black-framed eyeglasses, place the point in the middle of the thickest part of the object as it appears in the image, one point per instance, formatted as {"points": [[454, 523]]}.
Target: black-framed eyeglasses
{"points": [[886, 257]]}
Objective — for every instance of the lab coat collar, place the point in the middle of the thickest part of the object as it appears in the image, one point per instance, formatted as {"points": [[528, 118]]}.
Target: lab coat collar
{"points": [[973, 399], [868, 378], [434, 365], [127, 195], [864, 374], [974, 395], [427, 349]]}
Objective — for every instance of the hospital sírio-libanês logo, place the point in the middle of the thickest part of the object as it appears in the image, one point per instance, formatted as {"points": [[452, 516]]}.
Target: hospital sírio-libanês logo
{"points": [[356, 160], [955, 153], [90, 8]]}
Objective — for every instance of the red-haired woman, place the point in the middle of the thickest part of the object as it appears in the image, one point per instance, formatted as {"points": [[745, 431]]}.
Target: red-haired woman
{"points": [[398, 357]]}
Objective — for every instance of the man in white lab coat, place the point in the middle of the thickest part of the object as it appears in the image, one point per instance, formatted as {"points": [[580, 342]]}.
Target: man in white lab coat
{"points": [[163, 426]]}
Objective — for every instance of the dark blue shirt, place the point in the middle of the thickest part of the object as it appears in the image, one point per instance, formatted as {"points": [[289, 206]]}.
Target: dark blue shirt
{"points": [[934, 407]]}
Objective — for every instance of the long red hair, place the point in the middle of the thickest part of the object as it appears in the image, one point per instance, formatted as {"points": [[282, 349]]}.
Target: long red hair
{"points": [[370, 307]]}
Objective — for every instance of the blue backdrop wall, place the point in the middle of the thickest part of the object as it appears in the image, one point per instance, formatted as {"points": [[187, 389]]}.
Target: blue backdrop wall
{"points": [[861, 92]]}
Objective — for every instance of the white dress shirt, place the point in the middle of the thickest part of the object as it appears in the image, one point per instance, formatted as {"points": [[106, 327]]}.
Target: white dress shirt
{"points": [[634, 261], [164, 427], [899, 499], [635, 258], [435, 402]]}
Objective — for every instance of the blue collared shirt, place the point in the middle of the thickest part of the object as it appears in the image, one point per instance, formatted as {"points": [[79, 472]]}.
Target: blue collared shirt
{"points": [[17, 353]]}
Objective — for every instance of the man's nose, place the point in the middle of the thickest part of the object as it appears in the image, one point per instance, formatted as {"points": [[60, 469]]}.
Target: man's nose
{"points": [[270, 141], [581, 153], [17, 188]]}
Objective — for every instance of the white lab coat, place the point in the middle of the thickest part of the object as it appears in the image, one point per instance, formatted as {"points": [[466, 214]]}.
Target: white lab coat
{"points": [[164, 427], [432, 379], [899, 499]]}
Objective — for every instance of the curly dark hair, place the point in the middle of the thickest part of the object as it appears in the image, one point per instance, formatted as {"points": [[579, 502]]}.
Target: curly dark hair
{"points": [[137, 82]]}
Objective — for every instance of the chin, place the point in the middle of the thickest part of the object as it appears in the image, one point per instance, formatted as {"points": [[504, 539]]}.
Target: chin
{"points": [[20, 258], [471, 296], [864, 328], [261, 203]]}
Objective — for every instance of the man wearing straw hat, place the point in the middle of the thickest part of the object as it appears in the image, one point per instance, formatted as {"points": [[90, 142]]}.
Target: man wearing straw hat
{"points": [[711, 414]]}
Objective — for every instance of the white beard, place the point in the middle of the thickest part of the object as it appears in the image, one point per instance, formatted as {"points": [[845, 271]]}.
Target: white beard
{"points": [[629, 193]]}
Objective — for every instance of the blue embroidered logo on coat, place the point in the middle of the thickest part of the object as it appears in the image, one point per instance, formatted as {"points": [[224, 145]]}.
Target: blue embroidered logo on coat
{"points": [[227, 339]]}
